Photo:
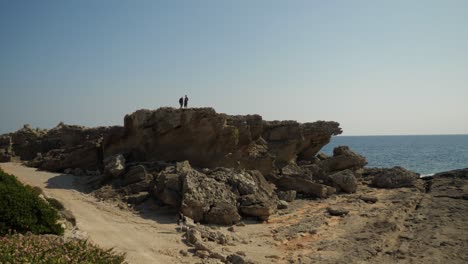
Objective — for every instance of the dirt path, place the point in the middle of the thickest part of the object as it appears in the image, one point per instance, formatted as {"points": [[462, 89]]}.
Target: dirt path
{"points": [[144, 240]]}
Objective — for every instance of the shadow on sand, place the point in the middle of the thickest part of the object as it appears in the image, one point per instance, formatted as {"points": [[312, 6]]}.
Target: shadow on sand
{"points": [[151, 209]]}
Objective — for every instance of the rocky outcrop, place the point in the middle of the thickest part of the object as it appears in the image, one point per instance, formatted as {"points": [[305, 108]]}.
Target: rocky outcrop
{"points": [[345, 181], [153, 153], [114, 165], [343, 158], [217, 196], [200, 135], [209, 139], [6, 150], [294, 177], [395, 177]]}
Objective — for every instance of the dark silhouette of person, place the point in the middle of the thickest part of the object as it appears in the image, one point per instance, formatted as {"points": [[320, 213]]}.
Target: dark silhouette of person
{"points": [[181, 101], [185, 101]]}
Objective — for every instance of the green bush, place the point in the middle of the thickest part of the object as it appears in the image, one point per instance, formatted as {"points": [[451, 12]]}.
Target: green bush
{"points": [[22, 210], [51, 249], [55, 203]]}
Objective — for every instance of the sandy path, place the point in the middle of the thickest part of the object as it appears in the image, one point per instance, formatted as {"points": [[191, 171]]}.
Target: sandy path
{"points": [[144, 240]]}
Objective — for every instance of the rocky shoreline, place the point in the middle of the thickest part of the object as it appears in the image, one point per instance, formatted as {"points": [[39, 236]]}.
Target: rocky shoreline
{"points": [[216, 169]]}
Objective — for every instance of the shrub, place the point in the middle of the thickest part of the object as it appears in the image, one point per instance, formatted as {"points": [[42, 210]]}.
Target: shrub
{"points": [[22, 210], [37, 190], [52, 249], [55, 203]]}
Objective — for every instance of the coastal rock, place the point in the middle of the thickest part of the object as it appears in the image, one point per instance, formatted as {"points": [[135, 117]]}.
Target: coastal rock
{"points": [[6, 149], [395, 177], [287, 196], [337, 211], [136, 174], [168, 187], [299, 179], [114, 165], [206, 200], [282, 204], [343, 158], [209, 139], [304, 186], [200, 135], [85, 157], [137, 198], [216, 196], [345, 180]]}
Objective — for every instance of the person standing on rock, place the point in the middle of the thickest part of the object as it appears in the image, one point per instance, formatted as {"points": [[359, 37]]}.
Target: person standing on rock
{"points": [[185, 101], [181, 101]]}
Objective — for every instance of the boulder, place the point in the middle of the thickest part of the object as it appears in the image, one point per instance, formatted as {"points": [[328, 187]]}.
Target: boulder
{"points": [[207, 200], [299, 179], [137, 198], [114, 165], [282, 204], [287, 196], [395, 177], [168, 187], [337, 211], [6, 149], [343, 158], [84, 156], [304, 186], [368, 198], [135, 174], [216, 196], [322, 156], [257, 197], [345, 180]]}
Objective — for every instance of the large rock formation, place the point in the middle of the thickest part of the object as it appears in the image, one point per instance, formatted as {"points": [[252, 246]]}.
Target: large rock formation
{"points": [[200, 135], [395, 177], [209, 139], [217, 196], [144, 158]]}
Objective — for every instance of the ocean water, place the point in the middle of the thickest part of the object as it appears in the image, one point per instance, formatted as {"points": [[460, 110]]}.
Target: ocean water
{"points": [[423, 154]]}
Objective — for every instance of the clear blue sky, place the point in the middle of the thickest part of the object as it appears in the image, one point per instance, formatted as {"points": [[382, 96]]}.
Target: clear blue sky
{"points": [[377, 67]]}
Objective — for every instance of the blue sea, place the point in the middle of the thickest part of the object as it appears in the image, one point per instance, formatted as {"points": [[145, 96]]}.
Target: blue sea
{"points": [[423, 154]]}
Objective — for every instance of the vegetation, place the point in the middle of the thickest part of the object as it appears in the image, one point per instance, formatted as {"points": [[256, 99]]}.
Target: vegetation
{"points": [[24, 215], [50, 249], [55, 203], [22, 210]]}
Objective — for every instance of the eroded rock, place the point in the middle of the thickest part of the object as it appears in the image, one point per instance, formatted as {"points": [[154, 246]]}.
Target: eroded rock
{"points": [[395, 177], [345, 180]]}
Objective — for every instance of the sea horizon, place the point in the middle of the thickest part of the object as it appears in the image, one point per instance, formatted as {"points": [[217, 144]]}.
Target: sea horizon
{"points": [[424, 154]]}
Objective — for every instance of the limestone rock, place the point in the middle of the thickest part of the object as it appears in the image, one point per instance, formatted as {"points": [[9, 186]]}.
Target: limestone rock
{"points": [[168, 187], [282, 204], [137, 198], [114, 165], [6, 149], [216, 196], [135, 174], [84, 156], [395, 177], [304, 186], [336, 211], [343, 158], [209, 139], [287, 196], [345, 180]]}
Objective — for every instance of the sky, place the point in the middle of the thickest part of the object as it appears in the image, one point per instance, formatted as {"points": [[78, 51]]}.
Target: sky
{"points": [[376, 67]]}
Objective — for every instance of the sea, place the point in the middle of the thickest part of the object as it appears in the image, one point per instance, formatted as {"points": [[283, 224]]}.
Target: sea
{"points": [[424, 154]]}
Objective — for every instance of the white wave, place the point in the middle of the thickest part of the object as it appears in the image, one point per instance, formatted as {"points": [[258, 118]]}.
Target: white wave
{"points": [[426, 175]]}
